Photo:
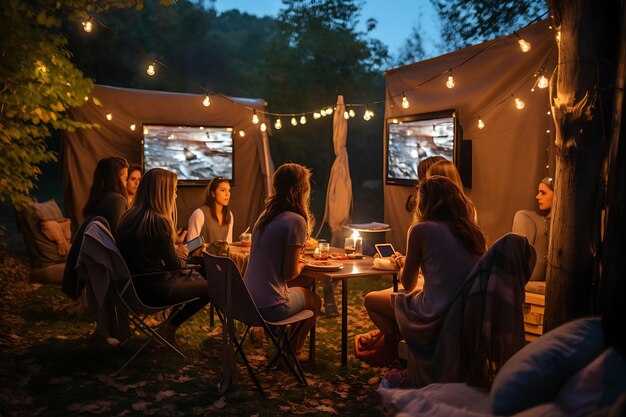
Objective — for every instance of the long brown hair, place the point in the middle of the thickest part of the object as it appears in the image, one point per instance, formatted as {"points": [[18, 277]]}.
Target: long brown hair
{"points": [[292, 192], [446, 169], [439, 199], [106, 179], [154, 206], [209, 200]]}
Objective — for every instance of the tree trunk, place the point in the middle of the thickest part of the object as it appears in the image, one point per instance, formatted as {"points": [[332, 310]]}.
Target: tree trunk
{"points": [[579, 99]]}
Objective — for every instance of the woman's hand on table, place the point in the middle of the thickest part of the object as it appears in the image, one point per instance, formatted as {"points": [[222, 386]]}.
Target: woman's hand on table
{"points": [[398, 259]]}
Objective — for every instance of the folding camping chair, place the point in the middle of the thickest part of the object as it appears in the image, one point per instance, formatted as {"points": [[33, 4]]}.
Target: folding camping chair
{"points": [[233, 302], [102, 266]]}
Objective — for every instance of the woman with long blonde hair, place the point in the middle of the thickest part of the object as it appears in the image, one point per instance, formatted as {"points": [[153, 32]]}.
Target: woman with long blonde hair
{"points": [[278, 240], [444, 243], [149, 243]]}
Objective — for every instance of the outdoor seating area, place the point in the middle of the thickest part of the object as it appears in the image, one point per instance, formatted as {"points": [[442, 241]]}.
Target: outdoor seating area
{"points": [[313, 207]]}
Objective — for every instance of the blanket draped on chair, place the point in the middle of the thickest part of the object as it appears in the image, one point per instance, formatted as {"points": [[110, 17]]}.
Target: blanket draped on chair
{"points": [[481, 328]]}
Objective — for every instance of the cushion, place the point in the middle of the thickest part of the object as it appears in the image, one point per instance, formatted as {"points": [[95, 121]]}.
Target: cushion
{"points": [[43, 252], [536, 373], [597, 385]]}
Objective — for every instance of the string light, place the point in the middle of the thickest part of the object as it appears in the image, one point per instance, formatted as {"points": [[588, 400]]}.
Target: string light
{"points": [[133, 127], [303, 120], [368, 114], [145, 130], [346, 115], [207, 101], [524, 45], [255, 118], [294, 122], [405, 101], [323, 112], [543, 82], [278, 124], [263, 127], [86, 98], [481, 124], [329, 111], [351, 113], [242, 133], [519, 103], [151, 69], [450, 82], [88, 25], [394, 121], [109, 116], [316, 115]]}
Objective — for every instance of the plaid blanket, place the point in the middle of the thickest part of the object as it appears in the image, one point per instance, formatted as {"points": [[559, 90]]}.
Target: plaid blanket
{"points": [[483, 325]]}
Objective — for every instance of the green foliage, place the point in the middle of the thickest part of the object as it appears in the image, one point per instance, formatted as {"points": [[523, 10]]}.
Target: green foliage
{"points": [[413, 48], [468, 22]]}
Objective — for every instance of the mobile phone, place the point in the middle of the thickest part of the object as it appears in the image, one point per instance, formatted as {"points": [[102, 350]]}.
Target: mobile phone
{"points": [[385, 250], [194, 244]]}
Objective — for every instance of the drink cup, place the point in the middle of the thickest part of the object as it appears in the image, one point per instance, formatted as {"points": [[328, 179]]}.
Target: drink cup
{"points": [[324, 250], [246, 240]]}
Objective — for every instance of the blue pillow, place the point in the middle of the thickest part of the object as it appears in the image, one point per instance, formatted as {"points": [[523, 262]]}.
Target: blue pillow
{"points": [[536, 373]]}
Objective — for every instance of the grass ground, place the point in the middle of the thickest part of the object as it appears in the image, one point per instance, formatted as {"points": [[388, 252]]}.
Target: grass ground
{"points": [[50, 366]]}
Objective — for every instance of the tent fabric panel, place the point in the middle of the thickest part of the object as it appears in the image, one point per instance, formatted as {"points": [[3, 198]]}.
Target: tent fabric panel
{"points": [[508, 157]]}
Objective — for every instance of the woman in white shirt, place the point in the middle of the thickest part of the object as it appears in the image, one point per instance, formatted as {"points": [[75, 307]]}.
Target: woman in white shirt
{"points": [[213, 220]]}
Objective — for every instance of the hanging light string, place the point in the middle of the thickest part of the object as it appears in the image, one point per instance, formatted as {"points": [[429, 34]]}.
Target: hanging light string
{"points": [[156, 64]]}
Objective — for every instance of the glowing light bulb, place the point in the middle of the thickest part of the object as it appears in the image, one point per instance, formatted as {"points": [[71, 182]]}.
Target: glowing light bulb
{"points": [[543, 82], [481, 124], [255, 118], [86, 98], [394, 121], [133, 127], [323, 112], [367, 116], [346, 115], [294, 122], [524, 45], [519, 103], [263, 127], [145, 130], [242, 133], [351, 113], [405, 102], [278, 124], [207, 101], [303, 120], [151, 70], [329, 111], [109, 116], [316, 115], [88, 26], [450, 82]]}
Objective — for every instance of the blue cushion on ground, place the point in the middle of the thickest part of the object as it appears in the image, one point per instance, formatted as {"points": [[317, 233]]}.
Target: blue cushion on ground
{"points": [[536, 373]]}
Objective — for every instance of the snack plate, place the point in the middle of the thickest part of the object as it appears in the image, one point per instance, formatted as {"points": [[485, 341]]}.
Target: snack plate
{"points": [[323, 265]]}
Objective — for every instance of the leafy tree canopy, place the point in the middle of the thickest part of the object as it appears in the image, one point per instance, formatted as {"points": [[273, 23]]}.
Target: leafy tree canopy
{"points": [[39, 84], [468, 22]]}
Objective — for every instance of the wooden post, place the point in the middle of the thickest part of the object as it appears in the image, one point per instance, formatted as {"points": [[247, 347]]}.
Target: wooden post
{"points": [[580, 100]]}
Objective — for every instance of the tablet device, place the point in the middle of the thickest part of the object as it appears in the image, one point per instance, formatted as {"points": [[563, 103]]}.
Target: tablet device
{"points": [[194, 244], [385, 250]]}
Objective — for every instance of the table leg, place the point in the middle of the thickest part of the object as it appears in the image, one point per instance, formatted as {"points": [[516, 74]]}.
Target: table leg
{"points": [[344, 322], [312, 334], [395, 282]]}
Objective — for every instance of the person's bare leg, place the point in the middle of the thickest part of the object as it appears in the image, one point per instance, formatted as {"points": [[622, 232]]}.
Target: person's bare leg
{"points": [[381, 311], [313, 302]]}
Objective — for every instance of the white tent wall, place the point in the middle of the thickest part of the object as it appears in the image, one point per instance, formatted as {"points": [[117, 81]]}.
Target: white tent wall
{"points": [[84, 148], [508, 155]]}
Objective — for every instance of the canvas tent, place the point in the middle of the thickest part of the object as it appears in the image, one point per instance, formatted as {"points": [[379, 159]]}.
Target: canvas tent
{"points": [[509, 153], [83, 148]]}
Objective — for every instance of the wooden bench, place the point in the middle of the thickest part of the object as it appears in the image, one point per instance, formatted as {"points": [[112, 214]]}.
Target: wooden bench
{"points": [[534, 309]]}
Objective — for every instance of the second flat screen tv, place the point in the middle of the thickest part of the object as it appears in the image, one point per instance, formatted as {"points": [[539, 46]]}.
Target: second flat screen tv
{"points": [[412, 139], [194, 153]]}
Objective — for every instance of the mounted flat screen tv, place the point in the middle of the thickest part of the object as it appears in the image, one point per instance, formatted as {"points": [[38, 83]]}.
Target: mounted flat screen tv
{"points": [[194, 153], [411, 139]]}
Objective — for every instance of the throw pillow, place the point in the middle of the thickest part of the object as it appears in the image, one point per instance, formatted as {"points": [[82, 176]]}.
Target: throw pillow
{"points": [[43, 252], [536, 373], [597, 385]]}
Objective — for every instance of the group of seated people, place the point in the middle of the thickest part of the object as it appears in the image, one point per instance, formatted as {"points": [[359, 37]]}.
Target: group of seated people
{"points": [[142, 215]]}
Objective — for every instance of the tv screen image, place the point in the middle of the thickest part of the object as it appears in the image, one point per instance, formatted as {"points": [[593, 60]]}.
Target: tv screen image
{"points": [[192, 152], [415, 138]]}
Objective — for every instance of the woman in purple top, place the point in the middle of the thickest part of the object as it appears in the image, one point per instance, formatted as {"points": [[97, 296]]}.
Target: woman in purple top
{"points": [[278, 239], [444, 243]]}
